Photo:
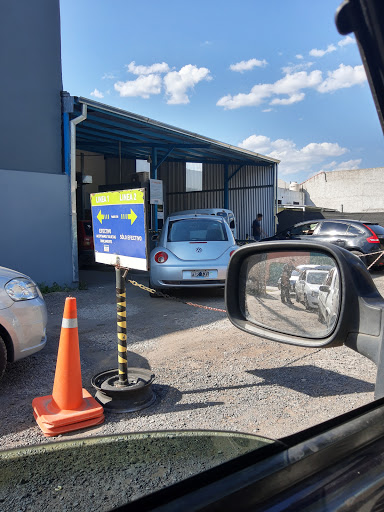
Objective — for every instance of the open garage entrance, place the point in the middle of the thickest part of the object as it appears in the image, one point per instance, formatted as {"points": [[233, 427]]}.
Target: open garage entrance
{"points": [[109, 149]]}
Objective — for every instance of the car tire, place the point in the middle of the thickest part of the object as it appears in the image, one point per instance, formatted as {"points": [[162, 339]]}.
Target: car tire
{"points": [[296, 298], [306, 303], [3, 357]]}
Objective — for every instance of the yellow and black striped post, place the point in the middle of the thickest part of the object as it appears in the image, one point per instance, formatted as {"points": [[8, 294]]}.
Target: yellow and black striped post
{"points": [[121, 328]]}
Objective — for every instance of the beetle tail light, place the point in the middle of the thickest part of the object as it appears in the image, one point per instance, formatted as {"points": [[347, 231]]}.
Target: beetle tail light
{"points": [[161, 257], [230, 254]]}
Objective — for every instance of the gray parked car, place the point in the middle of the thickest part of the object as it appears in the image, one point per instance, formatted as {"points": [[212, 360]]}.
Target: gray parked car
{"points": [[193, 251], [23, 317], [365, 239]]}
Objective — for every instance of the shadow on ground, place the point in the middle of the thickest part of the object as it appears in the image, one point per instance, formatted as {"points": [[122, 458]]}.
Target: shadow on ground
{"points": [[313, 381]]}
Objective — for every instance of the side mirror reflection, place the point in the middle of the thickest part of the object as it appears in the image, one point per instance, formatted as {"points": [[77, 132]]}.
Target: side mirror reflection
{"points": [[298, 294]]}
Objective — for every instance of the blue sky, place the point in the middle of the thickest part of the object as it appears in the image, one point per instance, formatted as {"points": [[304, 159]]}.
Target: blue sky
{"points": [[272, 76]]}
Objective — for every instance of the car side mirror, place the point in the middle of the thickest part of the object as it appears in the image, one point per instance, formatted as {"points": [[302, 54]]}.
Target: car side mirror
{"points": [[355, 317]]}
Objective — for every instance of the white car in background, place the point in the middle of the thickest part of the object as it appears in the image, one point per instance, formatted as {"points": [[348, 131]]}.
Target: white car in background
{"points": [[193, 251], [307, 287], [23, 317], [329, 299], [295, 276]]}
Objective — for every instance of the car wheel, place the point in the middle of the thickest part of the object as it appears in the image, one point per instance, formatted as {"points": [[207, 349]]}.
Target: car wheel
{"points": [[296, 298], [306, 303], [3, 357]]}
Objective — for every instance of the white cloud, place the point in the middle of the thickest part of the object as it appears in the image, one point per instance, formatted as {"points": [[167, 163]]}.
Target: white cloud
{"points": [[294, 98], [247, 65], [108, 76], [159, 67], [346, 41], [294, 68], [343, 77], [290, 84], [348, 165], [206, 43], [177, 83], [267, 110], [299, 56], [294, 82], [97, 94], [143, 86], [320, 53], [294, 159]]}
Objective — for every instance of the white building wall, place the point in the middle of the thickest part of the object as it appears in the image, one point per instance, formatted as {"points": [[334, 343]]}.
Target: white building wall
{"points": [[287, 196], [342, 190]]}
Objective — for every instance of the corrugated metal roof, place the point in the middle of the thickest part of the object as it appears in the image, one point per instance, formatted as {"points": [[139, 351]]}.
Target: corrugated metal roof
{"points": [[114, 132]]}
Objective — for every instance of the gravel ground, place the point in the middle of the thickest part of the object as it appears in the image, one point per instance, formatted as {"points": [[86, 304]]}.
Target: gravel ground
{"points": [[209, 375]]}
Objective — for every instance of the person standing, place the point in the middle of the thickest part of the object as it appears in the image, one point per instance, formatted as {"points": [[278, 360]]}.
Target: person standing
{"points": [[256, 227], [286, 284]]}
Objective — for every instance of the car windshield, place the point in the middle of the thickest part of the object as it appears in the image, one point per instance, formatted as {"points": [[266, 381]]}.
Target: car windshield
{"points": [[261, 109], [316, 277], [193, 230]]}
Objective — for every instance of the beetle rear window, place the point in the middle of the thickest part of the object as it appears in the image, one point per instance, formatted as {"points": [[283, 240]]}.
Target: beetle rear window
{"points": [[196, 230]]}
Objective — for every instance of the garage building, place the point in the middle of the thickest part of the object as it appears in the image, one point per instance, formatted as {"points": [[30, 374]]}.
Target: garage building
{"points": [[56, 149]]}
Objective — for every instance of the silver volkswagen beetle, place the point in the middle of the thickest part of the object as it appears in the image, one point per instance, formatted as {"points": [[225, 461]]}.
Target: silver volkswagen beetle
{"points": [[23, 317], [193, 251]]}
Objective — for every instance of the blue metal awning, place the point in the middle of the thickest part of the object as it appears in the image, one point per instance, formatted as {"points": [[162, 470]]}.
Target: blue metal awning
{"points": [[118, 133]]}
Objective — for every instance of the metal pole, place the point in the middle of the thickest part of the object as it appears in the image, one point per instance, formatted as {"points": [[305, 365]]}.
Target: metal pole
{"points": [[121, 328], [226, 186]]}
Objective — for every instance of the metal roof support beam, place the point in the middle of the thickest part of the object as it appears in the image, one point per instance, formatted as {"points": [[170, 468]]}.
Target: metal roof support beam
{"points": [[226, 186], [154, 166], [164, 159], [237, 170]]}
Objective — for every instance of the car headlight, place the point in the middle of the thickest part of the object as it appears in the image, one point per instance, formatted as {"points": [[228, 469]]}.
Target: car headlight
{"points": [[21, 288]]}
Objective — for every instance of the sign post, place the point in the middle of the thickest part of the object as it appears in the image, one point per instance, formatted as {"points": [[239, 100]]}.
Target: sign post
{"points": [[120, 238]]}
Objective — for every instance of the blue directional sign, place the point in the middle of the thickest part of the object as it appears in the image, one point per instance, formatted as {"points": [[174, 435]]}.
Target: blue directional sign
{"points": [[119, 228]]}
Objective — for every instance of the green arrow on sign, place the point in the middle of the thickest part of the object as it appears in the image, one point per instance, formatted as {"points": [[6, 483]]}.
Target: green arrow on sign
{"points": [[100, 217], [132, 216]]}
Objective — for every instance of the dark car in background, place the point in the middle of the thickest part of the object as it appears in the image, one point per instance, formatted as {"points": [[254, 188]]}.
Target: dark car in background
{"points": [[365, 239], [85, 242]]}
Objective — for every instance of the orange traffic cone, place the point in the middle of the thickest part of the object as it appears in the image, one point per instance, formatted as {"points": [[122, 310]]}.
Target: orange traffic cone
{"points": [[70, 407]]}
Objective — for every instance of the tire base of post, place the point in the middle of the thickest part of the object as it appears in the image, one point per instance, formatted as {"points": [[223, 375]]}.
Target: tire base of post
{"points": [[135, 396]]}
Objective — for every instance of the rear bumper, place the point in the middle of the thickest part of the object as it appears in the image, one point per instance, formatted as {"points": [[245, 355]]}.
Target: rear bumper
{"points": [[172, 276]]}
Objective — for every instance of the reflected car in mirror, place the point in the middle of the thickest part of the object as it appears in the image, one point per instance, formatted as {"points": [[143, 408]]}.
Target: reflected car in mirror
{"points": [[307, 287], [329, 298]]}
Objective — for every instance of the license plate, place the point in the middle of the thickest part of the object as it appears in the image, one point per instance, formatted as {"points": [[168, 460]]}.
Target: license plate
{"points": [[200, 273]]}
